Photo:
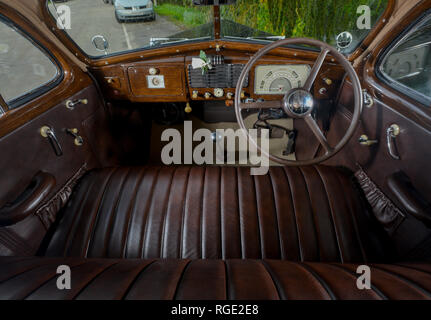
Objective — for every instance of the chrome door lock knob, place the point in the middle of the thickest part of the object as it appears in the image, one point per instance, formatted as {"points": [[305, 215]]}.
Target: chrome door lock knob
{"points": [[366, 142], [72, 104]]}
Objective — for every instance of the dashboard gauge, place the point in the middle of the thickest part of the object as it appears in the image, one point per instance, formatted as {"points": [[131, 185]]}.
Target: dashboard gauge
{"points": [[218, 93], [279, 79], [280, 86]]}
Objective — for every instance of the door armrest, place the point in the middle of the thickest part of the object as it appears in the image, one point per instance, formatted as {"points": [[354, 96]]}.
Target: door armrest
{"points": [[28, 201], [410, 198]]}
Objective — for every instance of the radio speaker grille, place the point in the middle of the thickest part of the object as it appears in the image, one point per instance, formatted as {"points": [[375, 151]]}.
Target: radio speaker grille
{"points": [[220, 76]]}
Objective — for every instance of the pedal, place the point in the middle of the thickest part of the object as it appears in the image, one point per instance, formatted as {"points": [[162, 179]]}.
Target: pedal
{"points": [[290, 148], [276, 133]]}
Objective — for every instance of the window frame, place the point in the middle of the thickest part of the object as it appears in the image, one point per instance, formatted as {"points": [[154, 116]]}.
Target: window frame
{"points": [[42, 88], [392, 83]]}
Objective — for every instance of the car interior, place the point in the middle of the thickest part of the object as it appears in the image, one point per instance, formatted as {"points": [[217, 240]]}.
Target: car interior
{"points": [[83, 125]]}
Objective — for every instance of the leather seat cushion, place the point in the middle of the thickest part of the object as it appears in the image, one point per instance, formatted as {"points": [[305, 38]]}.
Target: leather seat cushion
{"points": [[300, 214], [108, 279]]}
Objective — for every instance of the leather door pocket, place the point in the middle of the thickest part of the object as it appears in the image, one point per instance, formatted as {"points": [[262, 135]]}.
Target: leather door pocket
{"points": [[28, 201], [410, 198], [383, 208]]}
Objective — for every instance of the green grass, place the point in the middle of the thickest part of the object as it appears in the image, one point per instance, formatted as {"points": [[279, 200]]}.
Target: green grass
{"points": [[187, 16]]}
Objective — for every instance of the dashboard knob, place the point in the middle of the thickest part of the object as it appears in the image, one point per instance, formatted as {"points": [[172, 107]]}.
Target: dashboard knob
{"points": [[188, 109], [323, 90], [229, 95], [328, 81], [195, 94], [207, 95], [153, 71], [218, 93]]}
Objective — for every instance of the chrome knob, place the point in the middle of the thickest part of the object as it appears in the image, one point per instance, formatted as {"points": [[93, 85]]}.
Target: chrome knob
{"points": [[72, 104], [364, 141], [79, 141], [153, 71]]}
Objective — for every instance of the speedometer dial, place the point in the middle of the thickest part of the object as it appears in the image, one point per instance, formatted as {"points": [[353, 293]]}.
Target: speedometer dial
{"points": [[279, 79], [280, 86]]}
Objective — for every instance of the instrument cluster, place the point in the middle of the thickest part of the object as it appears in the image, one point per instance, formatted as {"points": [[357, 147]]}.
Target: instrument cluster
{"points": [[279, 79]]}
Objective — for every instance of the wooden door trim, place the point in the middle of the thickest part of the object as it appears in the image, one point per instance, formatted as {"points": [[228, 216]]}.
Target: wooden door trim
{"points": [[390, 96], [73, 80]]}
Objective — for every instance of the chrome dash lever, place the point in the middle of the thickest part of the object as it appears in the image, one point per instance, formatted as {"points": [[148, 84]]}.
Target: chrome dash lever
{"points": [[72, 104], [79, 141], [49, 133], [391, 134], [366, 142]]}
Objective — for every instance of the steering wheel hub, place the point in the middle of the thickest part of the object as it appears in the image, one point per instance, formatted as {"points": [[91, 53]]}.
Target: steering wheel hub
{"points": [[298, 103]]}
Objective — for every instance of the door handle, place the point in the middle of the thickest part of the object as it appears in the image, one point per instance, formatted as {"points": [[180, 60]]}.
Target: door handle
{"points": [[49, 133], [28, 201]]}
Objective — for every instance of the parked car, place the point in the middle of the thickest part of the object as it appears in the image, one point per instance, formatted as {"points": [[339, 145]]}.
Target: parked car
{"points": [[132, 10]]}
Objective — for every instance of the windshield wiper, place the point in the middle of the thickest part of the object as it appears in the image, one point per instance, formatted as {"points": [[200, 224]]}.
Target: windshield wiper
{"points": [[159, 41], [272, 38]]}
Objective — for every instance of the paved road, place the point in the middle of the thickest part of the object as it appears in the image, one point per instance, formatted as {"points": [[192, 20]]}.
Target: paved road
{"points": [[93, 17]]}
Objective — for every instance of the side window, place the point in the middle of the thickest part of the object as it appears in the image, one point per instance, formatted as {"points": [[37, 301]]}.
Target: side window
{"points": [[407, 66], [24, 68]]}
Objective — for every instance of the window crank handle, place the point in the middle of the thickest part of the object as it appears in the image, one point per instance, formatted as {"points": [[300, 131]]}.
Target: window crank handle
{"points": [[79, 141]]}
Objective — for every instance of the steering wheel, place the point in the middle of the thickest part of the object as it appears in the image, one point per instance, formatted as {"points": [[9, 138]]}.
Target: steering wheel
{"points": [[299, 103]]}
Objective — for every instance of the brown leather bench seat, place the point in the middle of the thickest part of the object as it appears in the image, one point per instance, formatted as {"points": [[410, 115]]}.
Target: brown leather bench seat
{"points": [[297, 214], [107, 279]]}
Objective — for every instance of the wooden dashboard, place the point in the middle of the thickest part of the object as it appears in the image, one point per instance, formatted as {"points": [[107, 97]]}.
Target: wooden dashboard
{"points": [[134, 80]]}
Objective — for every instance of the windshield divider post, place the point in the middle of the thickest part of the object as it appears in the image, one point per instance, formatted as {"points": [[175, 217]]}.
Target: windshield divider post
{"points": [[217, 27], [3, 106]]}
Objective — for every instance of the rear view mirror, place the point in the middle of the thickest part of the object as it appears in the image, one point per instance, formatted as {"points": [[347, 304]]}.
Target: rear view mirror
{"points": [[100, 43], [213, 2]]}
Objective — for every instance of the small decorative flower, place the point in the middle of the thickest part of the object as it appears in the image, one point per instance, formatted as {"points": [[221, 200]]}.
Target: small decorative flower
{"points": [[202, 62]]}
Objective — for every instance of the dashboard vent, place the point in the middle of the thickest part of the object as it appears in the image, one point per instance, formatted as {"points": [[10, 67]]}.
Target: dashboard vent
{"points": [[220, 76]]}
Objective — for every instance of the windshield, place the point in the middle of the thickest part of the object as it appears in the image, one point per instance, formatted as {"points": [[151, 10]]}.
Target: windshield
{"points": [[131, 24], [138, 24]]}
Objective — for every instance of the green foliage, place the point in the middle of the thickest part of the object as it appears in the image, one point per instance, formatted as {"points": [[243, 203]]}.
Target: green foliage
{"points": [[318, 19], [186, 15]]}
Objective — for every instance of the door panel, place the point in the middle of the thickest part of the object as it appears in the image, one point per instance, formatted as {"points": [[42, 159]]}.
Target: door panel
{"points": [[36, 182], [377, 163], [376, 160], [407, 181], [26, 152]]}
